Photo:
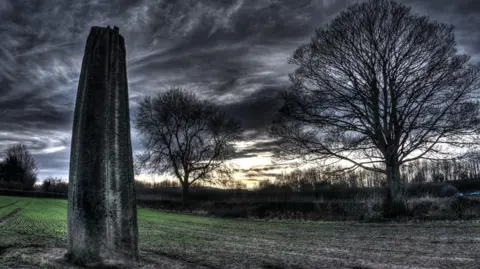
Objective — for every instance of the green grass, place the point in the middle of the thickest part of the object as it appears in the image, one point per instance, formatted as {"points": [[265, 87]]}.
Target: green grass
{"points": [[5, 201], [46, 217], [167, 240], [8, 204]]}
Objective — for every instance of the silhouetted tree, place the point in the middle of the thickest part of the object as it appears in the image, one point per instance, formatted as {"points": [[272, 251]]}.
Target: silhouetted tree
{"points": [[224, 178], [18, 169], [54, 184], [166, 184], [46, 185], [378, 87], [266, 185], [185, 136]]}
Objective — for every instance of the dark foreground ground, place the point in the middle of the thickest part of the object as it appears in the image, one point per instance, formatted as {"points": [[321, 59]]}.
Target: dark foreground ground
{"points": [[32, 235]]}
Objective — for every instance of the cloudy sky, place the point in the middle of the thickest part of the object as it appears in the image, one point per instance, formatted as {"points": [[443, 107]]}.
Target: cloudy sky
{"points": [[233, 52]]}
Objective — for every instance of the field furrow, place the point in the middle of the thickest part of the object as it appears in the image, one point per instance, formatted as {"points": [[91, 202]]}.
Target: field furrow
{"points": [[173, 240]]}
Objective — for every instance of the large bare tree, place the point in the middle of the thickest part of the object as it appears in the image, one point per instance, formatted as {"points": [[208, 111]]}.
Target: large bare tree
{"points": [[377, 87], [185, 136]]}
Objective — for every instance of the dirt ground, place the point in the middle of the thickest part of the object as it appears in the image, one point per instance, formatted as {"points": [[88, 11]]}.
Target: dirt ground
{"points": [[354, 246]]}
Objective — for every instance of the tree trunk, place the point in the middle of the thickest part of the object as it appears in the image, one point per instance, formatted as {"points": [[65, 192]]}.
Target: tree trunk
{"points": [[185, 189], [395, 204]]}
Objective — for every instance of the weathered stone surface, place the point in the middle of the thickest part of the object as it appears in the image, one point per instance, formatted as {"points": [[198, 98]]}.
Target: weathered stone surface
{"points": [[102, 217]]}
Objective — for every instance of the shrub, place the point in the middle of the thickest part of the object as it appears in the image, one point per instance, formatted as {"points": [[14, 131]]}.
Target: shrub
{"points": [[436, 189], [447, 190], [373, 210], [466, 185]]}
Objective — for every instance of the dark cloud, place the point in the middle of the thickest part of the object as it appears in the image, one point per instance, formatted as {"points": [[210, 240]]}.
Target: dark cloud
{"points": [[257, 149], [53, 163], [262, 169], [256, 110], [232, 52]]}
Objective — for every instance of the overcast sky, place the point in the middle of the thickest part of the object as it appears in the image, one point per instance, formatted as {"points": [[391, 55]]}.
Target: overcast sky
{"points": [[233, 52]]}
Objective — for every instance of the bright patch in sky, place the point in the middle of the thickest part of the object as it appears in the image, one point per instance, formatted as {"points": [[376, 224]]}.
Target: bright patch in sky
{"points": [[53, 149]]}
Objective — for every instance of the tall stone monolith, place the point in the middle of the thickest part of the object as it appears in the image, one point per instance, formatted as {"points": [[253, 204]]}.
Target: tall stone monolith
{"points": [[102, 216]]}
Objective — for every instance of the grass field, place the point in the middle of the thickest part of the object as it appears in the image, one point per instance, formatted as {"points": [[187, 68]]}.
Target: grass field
{"points": [[35, 237]]}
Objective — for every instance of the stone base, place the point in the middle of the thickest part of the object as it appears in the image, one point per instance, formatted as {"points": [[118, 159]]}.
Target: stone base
{"points": [[101, 262]]}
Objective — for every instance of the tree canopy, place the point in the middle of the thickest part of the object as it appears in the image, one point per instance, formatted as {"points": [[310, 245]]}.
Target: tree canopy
{"points": [[19, 168], [184, 136], [377, 87]]}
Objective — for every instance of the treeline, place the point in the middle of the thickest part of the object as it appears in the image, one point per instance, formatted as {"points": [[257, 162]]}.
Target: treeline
{"points": [[55, 185], [436, 178], [313, 183], [298, 180], [59, 185]]}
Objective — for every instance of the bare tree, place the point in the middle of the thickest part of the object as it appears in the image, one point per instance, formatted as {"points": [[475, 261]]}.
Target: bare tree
{"points": [[19, 168], [185, 136], [54, 184], [379, 86], [224, 176]]}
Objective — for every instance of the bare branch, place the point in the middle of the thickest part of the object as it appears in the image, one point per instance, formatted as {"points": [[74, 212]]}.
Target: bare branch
{"points": [[185, 136], [378, 83]]}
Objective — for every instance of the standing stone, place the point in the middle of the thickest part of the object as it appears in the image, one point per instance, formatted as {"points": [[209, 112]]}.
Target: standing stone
{"points": [[102, 215]]}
